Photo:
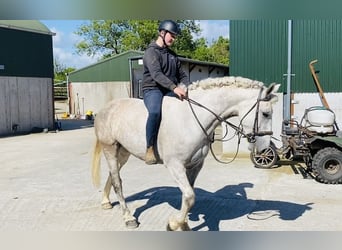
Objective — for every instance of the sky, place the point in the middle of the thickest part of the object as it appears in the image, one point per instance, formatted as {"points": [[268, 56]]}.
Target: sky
{"points": [[65, 40]]}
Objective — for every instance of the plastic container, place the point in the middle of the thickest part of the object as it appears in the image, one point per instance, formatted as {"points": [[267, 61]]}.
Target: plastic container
{"points": [[319, 119], [318, 116]]}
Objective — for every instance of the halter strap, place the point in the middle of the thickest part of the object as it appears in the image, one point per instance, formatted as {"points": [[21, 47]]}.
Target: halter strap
{"points": [[239, 129]]}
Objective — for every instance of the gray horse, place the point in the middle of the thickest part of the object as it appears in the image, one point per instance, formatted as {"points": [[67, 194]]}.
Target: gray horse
{"points": [[184, 136]]}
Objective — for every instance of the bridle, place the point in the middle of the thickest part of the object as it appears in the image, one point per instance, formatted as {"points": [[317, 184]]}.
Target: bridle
{"points": [[238, 129]]}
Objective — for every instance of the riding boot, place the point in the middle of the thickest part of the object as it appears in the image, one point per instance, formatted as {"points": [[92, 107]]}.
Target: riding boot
{"points": [[150, 157]]}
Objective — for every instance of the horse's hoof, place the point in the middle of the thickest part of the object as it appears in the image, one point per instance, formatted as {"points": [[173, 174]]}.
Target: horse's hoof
{"points": [[168, 228], [184, 227], [132, 224], [107, 205]]}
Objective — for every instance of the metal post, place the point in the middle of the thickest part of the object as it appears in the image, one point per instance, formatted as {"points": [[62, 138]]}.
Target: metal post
{"points": [[68, 98], [130, 77], [288, 75]]}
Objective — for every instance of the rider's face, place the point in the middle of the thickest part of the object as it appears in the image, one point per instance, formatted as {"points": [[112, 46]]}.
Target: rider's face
{"points": [[169, 38]]}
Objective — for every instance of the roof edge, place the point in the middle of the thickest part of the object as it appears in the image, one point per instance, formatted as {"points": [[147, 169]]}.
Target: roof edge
{"points": [[10, 24], [108, 59]]}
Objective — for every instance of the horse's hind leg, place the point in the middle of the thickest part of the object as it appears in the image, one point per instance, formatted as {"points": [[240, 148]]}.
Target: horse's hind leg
{"points": [[116, 157], [122, 158], [106, 204]]}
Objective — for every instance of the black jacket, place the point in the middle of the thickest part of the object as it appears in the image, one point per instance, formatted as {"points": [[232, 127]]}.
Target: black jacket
{"points": [[162, 68]]}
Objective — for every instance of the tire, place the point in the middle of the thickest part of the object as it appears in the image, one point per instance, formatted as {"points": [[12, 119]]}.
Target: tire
{"points": [[327, 166], [266, 159]]}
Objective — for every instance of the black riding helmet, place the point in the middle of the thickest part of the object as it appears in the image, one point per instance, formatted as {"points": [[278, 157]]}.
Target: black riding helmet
{"points": [[169, 26]]}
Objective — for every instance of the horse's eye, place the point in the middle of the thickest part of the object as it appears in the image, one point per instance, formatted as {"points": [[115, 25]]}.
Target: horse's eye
{"points": [[266, 114]]}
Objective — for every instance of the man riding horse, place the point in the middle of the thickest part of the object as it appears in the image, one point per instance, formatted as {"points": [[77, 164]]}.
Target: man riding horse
{"points": [[162, 74]]}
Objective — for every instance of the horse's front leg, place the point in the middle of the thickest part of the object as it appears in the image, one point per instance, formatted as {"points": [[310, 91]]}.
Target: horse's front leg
{"points": [[179, 221], [193, 170]]}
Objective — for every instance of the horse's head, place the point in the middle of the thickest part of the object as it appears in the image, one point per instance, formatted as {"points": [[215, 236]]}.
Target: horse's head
{"points": [[257, 121]]}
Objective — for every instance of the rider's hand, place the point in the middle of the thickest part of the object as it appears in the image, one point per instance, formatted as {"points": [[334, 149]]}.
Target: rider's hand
{"points": [[181, 93]]}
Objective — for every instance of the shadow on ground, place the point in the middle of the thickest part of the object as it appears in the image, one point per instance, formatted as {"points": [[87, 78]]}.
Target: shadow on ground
{"points": [[60, 125], [227, 203], [71, 124]]}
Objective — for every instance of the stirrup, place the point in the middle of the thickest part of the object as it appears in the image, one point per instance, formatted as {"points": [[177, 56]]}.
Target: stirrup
{"points": [[150, 158]]}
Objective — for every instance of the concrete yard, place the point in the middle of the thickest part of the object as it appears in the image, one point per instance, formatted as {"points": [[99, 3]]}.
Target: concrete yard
{"points": [[45, 185]]}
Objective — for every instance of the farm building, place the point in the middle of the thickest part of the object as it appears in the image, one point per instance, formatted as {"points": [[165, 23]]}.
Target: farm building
{"points": [[280, 51], [120, 76], [26, 77], [91, 87], [195, 69]]}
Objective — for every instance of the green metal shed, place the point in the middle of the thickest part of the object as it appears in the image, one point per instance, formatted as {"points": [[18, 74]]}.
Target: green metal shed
{"points": [[25, 49], [280, 51], [114, 68], [259, 50], [92, 87], [26, 77]]}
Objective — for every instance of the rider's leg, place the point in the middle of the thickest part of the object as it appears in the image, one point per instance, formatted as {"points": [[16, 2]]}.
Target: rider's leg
{"points": [[153, 101]]}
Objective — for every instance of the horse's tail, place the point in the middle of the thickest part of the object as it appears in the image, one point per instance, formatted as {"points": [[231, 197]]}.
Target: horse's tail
{"points": [[96, 164]]}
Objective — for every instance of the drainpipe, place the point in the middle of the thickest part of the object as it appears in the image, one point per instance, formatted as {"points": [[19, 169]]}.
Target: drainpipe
{"points": [[130, 94], [288, 75], [68, 94]]}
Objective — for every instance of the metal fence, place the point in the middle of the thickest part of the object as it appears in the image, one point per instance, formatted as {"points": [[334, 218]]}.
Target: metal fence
{"points": [[60, 93]]}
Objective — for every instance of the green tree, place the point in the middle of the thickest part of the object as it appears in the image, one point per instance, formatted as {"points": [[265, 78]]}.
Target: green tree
{"points": [[111, 37], [202, 51], [140, 34], [220, 50], [185, 44], [60, 72], [102, 37]]}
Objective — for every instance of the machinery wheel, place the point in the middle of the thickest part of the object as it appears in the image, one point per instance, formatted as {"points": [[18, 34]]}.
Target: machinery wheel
{"points": [[266, 159], [327, 165]]}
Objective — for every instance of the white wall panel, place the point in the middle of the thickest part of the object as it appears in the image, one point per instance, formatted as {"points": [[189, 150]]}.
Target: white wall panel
{"points": [[27, 102], [95, 95]]}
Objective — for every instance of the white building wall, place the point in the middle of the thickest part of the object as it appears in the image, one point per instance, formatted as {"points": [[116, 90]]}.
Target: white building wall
{"points": [[94, 96], [198, 73], [201, 72]]}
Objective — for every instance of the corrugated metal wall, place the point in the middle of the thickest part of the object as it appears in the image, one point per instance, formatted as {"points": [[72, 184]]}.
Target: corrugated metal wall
{"points": [[115, 68], [258, 50], [25, 54], [321, 40]]}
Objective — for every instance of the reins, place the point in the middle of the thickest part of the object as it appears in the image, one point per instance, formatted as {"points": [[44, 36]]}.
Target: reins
{"points": [[238, 129]]}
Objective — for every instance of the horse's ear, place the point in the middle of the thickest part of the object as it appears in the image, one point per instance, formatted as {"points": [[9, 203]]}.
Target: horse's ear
{"points": [[272, 88]]}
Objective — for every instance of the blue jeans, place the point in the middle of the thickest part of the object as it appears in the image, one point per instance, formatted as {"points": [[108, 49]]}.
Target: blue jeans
{"points": [[153, 99]]}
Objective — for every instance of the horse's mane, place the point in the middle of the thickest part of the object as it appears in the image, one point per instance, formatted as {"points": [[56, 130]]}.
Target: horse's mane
{"points": [[218, 82]]}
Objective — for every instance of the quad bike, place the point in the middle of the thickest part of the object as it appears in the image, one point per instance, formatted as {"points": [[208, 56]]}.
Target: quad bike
{"points": [[316, 140]]}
